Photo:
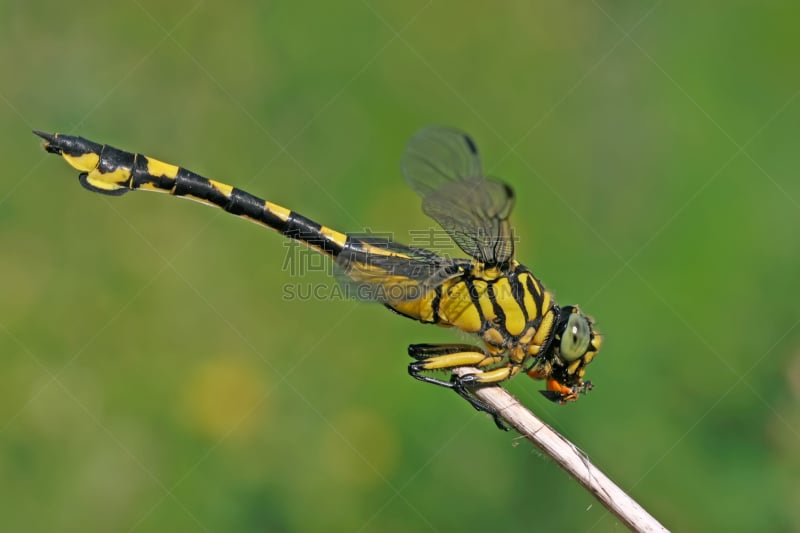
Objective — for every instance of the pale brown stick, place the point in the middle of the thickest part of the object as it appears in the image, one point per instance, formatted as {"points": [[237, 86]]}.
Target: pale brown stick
{"points": [[566, 455]]}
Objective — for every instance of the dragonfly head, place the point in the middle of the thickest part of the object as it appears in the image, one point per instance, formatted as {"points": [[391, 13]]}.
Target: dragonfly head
{"points": [[574, 346]]}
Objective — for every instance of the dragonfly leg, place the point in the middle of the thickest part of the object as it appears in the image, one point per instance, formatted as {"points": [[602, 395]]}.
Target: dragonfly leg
{"points": [[465, 386], [466, 389], [433, 357]]}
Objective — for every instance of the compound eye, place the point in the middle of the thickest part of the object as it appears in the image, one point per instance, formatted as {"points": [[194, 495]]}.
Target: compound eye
{"points": [[576, 337]]}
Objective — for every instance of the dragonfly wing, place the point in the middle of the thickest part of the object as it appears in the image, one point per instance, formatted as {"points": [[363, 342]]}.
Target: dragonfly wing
{"points": [[443, 166], [379, 269]]}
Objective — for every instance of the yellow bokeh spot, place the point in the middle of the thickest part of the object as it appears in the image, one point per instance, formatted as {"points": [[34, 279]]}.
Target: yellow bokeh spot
{"points": [[360, 449], [224, 397]]}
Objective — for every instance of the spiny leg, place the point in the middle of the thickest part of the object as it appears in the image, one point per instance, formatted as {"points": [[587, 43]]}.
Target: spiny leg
{"points": [[432, 357], [465, 386]]}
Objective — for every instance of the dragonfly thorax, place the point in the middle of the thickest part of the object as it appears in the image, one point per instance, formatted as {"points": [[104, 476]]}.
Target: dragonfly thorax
{"points": [[504, 306]]}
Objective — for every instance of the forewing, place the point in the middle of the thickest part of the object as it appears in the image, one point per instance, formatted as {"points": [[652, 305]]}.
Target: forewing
{"points": [[443, 166]]}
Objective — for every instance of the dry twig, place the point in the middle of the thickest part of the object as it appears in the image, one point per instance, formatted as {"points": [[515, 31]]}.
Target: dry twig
{"points": [[567, 456]]}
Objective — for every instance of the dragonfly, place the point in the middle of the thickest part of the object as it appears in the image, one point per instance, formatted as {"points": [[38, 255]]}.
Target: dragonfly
{"points": [[489, 294]]}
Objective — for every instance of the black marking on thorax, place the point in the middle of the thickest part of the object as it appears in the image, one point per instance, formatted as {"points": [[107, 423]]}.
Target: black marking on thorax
{"points": [[437, 300], [518, 293], [498, 310], [538, 297], [475, 299]]}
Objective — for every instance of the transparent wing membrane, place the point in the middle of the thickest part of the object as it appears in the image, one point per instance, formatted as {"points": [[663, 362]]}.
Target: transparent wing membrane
{"points": [[379, 269], [443, 166]]}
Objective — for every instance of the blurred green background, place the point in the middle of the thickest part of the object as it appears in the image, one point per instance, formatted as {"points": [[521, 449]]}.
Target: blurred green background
{"points": [[153, 377]]}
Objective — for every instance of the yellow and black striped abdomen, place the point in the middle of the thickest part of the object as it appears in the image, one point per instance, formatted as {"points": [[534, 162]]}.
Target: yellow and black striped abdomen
{"points": [[107, 170]]}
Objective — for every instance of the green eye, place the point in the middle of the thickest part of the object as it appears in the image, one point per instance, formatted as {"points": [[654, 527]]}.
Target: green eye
{"points": [[575, 339]]}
